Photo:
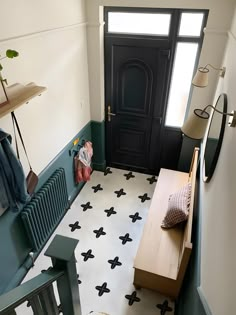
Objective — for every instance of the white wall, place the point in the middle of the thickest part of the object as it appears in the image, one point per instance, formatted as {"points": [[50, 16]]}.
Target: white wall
{"points": [[50, 36], [215, 40], [218, 207]]}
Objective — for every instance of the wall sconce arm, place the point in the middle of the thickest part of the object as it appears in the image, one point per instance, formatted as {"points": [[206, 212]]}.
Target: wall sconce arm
{"points": [[217, 110], [232, 119], [222, 70]]}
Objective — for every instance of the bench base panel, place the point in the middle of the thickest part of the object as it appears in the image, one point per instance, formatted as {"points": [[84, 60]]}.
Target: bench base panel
{"points": [[165, 286]]}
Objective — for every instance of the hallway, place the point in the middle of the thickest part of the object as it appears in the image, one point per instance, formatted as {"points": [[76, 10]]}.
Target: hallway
{"points": [[108, 217]]}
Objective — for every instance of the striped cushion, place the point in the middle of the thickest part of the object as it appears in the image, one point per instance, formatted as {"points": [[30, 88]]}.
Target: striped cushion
{"points": [[178, 207]]}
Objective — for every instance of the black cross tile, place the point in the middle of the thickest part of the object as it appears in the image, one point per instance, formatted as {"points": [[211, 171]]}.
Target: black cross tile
{"points": [[107, 171], [97, 188], [144, 197], [79, 281], [102, 289], [114, 262], [164, 307], [110, 211], [120, 192], [87, 255], [125, 239], [152, 180], [132, 298], [99, 232], [135, 217], [86, 206], [129, 175], [75, 226]]}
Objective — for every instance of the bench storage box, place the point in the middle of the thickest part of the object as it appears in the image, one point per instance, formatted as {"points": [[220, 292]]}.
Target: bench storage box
{"points": [[163, 255]]}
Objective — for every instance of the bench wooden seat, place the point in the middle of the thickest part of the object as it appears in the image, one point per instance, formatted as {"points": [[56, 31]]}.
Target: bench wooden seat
{"points": [[163, 255]]}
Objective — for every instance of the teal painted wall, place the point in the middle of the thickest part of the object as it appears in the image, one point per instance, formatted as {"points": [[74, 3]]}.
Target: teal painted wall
{"points": [[186, 153], [98, 139], [189, 301], [14, 247]]}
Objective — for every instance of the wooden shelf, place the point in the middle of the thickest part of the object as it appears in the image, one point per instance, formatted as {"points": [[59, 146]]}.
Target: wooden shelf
{"points": [[18, 95]]}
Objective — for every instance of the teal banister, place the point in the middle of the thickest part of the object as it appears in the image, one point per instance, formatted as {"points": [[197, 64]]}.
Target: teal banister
{"points": [[39, 291], [25, 291], [61, 251]]}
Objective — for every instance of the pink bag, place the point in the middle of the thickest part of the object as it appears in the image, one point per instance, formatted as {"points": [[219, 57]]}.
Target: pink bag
{"points": [[86, 171], [82, 161], [78, 166]]}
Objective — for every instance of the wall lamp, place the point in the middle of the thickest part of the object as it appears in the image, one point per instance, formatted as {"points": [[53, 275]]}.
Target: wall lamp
{"points": [[201, 77], [196, 124]]}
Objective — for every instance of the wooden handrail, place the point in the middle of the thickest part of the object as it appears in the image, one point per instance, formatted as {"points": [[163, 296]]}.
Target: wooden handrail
{"points": [[194, 160]]}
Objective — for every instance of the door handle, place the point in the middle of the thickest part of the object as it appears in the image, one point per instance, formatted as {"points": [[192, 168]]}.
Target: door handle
{"points": [[109, 113]]}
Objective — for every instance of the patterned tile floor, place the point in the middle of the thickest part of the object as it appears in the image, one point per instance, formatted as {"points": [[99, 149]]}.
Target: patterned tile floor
{"points": [[107, 218]]}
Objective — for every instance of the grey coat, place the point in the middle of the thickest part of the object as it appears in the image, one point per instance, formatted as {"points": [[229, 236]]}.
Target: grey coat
{"points": [[13, 190]]}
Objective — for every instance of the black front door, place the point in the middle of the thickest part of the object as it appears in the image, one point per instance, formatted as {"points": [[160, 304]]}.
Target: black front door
{"points": [[136, 75]]}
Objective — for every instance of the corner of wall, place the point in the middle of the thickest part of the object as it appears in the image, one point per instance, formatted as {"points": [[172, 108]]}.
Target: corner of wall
{"points": [[98, 139]]}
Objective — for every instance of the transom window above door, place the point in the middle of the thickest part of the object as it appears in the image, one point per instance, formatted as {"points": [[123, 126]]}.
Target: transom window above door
{"points": [[139, 23]]}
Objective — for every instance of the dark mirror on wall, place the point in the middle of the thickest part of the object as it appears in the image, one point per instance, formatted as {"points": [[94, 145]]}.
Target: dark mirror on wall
{"points": [[214, 138]]}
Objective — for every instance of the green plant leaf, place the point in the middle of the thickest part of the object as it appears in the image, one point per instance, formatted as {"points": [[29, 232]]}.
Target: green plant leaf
{"points": [[12, 53], [1, 67]]}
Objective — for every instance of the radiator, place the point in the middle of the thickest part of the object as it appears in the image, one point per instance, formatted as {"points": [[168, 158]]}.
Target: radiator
{"points": [[45, 210]]}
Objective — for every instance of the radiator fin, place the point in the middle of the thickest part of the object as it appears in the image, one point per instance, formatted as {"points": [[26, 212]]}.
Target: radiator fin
{"points": [[45, 210]]}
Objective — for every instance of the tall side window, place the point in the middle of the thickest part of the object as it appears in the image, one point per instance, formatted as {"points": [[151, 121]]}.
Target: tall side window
{"points": [[187, 47]]}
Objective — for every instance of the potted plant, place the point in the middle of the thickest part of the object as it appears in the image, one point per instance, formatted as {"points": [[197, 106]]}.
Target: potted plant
{"points": [[10, 53]]}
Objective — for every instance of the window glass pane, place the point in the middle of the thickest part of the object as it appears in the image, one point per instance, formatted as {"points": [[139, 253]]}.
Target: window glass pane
{"points": [[180, 84], [139, 23], [191, 24]]}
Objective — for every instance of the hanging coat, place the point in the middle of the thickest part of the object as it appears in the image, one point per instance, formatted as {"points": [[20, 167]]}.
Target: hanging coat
{"points": [[11, 173], [4, 202]]}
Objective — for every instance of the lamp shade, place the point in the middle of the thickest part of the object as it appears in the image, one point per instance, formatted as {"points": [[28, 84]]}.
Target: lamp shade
{"points": [[195, 126], [201, 77]]}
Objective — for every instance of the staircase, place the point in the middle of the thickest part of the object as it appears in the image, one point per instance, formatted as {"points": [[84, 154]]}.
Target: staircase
{"points": [[39, 291]]}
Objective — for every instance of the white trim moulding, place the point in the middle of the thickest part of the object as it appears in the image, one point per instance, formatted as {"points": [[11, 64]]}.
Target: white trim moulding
{"points": [[215, 31], [95, 24], [231, 35], [47, 31]]}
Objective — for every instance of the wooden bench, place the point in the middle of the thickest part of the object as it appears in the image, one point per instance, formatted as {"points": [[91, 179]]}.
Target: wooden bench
{"points": [[163, 255]]}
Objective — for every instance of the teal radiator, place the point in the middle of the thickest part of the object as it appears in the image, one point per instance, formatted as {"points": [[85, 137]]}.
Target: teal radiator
{"points": [[45, 210]]}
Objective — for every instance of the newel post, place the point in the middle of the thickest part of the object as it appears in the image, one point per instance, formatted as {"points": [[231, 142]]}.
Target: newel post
{"points": [[61, 251]]}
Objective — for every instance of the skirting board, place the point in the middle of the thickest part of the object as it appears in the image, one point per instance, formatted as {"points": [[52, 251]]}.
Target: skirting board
{"points": [[99, 166], [204, 301]]}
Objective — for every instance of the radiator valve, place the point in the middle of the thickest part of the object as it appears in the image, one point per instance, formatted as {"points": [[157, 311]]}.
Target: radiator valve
{"points": [[31, 255]]}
